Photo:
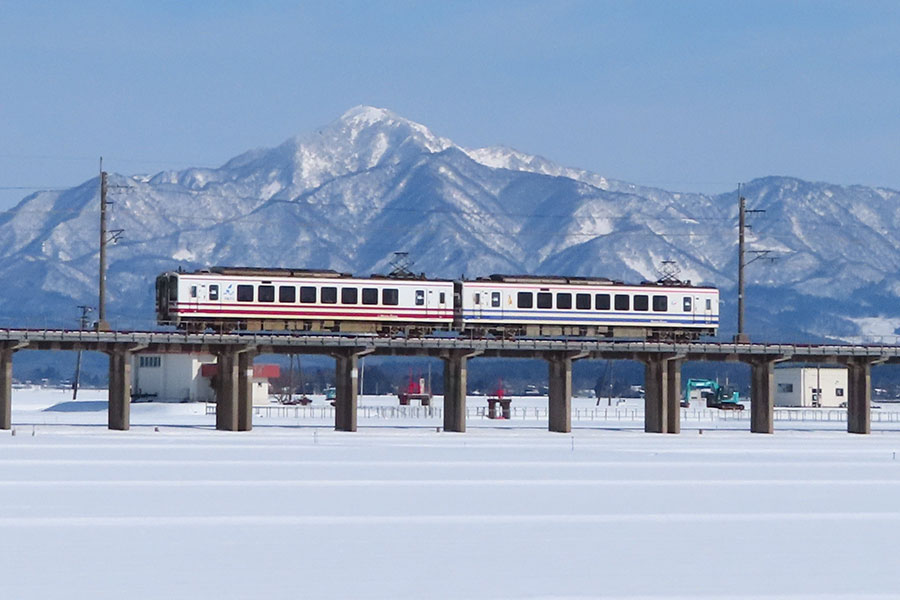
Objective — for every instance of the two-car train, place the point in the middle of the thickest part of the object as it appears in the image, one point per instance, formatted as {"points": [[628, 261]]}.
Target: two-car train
{"points": [[228, 299]]}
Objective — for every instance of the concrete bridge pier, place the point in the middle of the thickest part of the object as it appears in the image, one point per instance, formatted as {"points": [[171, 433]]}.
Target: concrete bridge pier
{"points": [[119, 398], [673, 394], [6, 355], [7, 349], [346, 385], [227, 390], [859, 396], [455, 380], [762, 395], [234, 389], [560, 384], [656, 418], [245, 391], [662, 400]]}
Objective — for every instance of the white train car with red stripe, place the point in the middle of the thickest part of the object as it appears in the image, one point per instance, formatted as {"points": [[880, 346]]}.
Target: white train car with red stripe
{"points": [[229, 298]]}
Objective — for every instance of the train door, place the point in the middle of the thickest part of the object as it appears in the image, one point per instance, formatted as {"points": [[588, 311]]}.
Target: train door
{"points": [[707, 310], [214, 294], [692, 306], [430, 304], [193, 297], [421, 302], [166, 297], [478, 302], [496, 304], [442, 303]]}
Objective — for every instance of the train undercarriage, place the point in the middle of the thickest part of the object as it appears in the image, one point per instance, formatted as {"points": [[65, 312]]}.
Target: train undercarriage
{"points": [[425, 329]]}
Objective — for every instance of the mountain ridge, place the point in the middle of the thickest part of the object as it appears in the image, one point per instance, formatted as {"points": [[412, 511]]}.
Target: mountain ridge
{"points": [[370, 183]]}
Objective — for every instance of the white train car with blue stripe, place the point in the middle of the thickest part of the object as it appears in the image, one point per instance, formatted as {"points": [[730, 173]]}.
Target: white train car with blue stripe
{"points": [[535, 306]]}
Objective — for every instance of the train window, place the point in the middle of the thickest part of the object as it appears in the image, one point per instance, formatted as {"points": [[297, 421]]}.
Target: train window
{"points": [[349, 295], [287, 293], [601, 302], [443, 298], [193, 291], [660, 303], [329, 295], [477, 298], [266, 293], [545, 300], [495, 299], [370, 296], [687, 304], [307, 294], [564, 300], [583, 301], [641, 302], [622, 301], [420, 297], [245, 293], [708, 304], [214, 292], [390, 297], [525, 300]]}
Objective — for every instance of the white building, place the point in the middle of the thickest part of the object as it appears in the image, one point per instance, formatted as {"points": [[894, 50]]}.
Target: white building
{"points": [[810, 385], [187, 378]]}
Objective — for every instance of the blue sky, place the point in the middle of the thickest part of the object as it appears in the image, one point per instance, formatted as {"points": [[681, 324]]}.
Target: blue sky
{"points": [[682, 95]]}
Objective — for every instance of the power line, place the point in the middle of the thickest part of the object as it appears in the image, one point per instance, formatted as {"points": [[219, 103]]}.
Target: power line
{"points": [[32, 187], [124, 159], [409, 209], [195, 222]]}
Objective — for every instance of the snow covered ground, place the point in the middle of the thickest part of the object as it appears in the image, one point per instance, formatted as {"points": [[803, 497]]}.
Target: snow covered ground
{"points": [[174, 509]]}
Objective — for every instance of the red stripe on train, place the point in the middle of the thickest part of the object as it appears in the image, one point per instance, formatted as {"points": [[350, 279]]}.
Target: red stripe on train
{"points": [[447, 315]]}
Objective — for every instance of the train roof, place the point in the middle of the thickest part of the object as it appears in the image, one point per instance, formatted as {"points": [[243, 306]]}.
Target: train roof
{"points": [[600, 281], [275, 272], [288, 272], [549, 279], [498, 278]]}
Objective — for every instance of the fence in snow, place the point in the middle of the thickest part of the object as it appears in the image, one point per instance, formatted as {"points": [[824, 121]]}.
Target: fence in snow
{"points": [[542, 413]]}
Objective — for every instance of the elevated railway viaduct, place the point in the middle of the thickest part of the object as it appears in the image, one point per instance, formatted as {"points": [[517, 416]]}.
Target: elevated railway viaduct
{"points": [[662, 368]]}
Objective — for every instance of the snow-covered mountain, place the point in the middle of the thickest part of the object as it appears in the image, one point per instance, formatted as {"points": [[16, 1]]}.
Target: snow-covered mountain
{"points": [[371, 183]]}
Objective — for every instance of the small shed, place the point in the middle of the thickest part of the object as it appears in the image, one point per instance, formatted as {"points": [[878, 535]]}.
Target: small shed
{"points": [[811, 386], [187, 378]]}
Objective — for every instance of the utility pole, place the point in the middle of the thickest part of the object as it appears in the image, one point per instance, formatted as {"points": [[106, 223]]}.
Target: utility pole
{"points": [[106, 236], [102, 325], [84, 321], [742, 337]]}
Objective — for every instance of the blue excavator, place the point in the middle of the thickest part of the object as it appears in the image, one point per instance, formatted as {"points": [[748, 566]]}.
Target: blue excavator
{"points": [[714, 394]]}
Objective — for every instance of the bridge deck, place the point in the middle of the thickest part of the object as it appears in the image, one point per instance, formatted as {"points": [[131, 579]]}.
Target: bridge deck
{"points": [[165, 341]]}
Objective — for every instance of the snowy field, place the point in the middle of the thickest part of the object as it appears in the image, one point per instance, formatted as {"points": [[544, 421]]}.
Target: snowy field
{"points": [[174, 509]]}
